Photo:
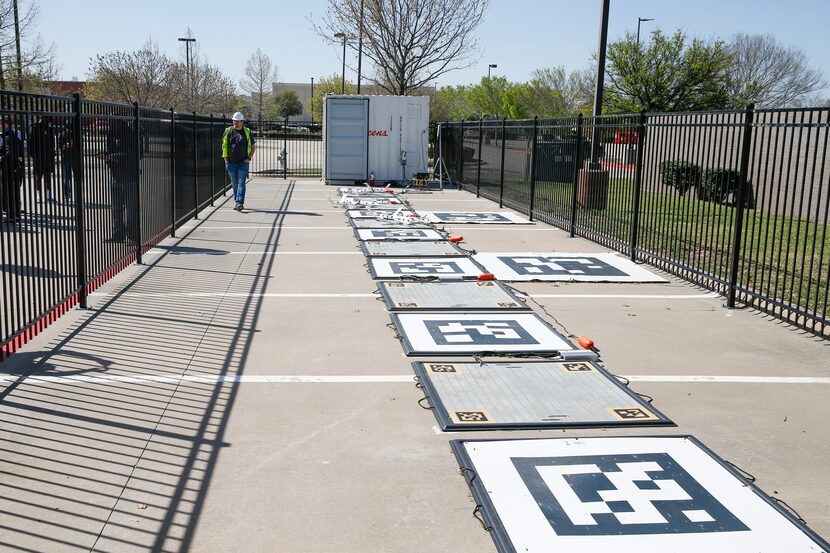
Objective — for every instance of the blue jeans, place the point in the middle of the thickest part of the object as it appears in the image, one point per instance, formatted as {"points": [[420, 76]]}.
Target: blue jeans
{"points": [[238, 173]]}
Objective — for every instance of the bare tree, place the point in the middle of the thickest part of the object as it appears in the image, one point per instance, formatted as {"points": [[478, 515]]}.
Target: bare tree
{"points": [[260, 75], [770, 74], [409, 42], [35, 55], [144, 76]]}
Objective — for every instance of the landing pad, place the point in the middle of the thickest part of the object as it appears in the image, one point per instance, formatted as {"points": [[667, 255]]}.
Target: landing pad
{"points": [[440, 268], [531, 394], [375, 213], [473, 217], [584, 267], [449, 296], [389, 223], [370, 201], [477, 333], [361, 190], [391, 248], [399, 234], [625, 494]]}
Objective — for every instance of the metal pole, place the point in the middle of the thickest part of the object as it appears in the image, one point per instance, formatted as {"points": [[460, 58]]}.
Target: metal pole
{"points": [[533, 167], [739, 214], [137, 186], [478, 169], [311, 104], [577, 165], [600, 84], [212, 165], [172, 173], [195, 172], [17, 45], [638, 184], [224, 173], [360, 46], [461, 157], [80, 223], [343, 78], [501, 178], [285, 149]]}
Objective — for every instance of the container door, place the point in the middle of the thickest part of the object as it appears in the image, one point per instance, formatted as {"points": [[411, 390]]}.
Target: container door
{"points": [[347, 138]]}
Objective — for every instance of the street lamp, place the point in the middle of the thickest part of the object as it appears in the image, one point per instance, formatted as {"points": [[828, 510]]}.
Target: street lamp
{"points": [[360, 46], [312, 101], [489, 67], [187, 42], [640, 20], [343, 79]]}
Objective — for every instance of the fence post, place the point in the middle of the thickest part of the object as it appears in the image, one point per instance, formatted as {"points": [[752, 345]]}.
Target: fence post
{"points": [[212, 164], [501, 178], [533, 167], [172, 173], [285, 149], [137, 187], [461, 157], [478, 170], [638, 184], [577, 166], [224, 173], [746, 144], [195, 172], [80, 223]]}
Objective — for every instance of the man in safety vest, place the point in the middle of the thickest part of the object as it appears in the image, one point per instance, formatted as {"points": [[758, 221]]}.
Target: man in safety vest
{"points": [[237, 150]]}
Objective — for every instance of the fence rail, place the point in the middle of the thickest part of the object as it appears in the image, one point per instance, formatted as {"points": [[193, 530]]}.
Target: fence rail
{"points": [[735, 201], [87, 187]]}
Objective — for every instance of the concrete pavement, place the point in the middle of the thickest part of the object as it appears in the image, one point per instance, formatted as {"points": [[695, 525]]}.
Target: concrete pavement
{"points": [[208, 400]]}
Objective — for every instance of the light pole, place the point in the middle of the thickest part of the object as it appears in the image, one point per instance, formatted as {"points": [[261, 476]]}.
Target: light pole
{"points": [[360, 46], [187, 42], [343, 79], [640, 20], [489, 67], [600, 84], [311, 104]]}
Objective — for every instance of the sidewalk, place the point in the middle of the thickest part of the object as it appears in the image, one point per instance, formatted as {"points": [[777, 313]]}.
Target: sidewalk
{"points": [[207, 402]]}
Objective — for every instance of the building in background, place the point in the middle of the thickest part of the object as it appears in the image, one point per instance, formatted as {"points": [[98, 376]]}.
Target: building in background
{"points": [[65, 88], [303, 92]]}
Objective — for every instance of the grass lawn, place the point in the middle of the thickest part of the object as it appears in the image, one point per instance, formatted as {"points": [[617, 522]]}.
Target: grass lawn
{"points": [[780, 255]]}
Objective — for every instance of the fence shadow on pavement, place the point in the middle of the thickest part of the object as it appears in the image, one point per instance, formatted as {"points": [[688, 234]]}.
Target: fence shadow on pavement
{"points": [[109, 439]]}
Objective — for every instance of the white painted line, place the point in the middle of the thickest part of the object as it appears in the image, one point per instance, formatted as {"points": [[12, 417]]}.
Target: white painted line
{"points": [[219, 252], [229, 295], [207, 378], [733, 379], [631, 296], [269, 227], [355, 379]]}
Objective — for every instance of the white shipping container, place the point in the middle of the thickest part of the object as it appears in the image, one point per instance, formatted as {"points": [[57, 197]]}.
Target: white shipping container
{"points": [[366, 135]]}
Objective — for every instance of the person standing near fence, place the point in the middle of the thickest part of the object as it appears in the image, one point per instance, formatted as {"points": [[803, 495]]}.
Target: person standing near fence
{"points": [[43, 152], [121, 158], [11, 167], [237, 151], [66, 147]]}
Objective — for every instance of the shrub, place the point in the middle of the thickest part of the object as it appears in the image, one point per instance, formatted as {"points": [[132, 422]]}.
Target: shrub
{"points": [[679, 174], [717, 184]]}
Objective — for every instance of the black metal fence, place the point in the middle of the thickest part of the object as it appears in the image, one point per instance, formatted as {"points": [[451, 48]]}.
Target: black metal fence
{"points": [[283, 149], [87, 187], [735, 201]]}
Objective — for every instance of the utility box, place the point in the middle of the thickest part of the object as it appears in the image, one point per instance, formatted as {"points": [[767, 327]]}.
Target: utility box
{"points": [[381, 135]]}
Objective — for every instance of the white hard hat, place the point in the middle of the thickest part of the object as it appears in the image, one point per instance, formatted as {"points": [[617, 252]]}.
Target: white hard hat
{"points": [[238, 116]]}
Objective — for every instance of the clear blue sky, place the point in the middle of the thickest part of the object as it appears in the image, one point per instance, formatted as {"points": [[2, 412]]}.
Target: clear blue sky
{"points": [[518, 35]]}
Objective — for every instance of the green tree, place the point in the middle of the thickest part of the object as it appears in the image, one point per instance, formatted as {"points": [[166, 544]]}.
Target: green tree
{"points": [[323, 87], [667, 74], [288, 104]]}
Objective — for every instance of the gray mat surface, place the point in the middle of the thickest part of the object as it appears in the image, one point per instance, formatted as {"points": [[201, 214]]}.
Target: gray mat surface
{"points": [[531, 394], [449, 296]]}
